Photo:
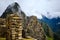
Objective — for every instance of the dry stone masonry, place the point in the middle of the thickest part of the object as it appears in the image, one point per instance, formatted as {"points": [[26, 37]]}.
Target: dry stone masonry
{"points": [[15, 26], [34, 29], [18, 26]]}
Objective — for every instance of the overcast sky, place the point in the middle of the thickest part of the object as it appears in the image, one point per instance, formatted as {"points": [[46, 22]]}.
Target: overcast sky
{"points": [[35, 7]]}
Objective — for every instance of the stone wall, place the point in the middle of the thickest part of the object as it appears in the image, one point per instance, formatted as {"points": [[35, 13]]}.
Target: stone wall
{"points": [[15, 26], [19, 27], [34, 28]]}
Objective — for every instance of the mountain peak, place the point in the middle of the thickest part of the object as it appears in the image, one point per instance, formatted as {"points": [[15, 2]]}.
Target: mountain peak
{"points": [[12, 8]]}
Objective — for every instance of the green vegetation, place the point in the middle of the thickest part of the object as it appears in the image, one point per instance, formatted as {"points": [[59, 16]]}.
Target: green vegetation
{"points": [[28, 38], [49, 38], [23, 38], [2, 38], [48, 31]]}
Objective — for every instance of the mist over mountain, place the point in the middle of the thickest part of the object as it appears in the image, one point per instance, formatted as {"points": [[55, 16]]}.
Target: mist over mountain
{"points": [[54, 24], [13, 8]]}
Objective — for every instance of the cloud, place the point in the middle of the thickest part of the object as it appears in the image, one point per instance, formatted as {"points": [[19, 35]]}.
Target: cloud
{"points": [[35, 7], [4, 4]]}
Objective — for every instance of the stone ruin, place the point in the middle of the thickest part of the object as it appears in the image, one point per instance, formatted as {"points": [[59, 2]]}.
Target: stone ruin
{"points": [[34, 28], [18, 26], [15, 25]]}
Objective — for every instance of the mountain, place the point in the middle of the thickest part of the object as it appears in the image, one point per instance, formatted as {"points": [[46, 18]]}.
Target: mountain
{"points": [[48, 31], [54, 24], [13, 8], [31, 26]]}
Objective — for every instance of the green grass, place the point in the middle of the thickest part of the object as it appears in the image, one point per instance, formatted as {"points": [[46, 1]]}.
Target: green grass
{"points": [[48, 38], [28, 39], [2, 38], [23, 39]]}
